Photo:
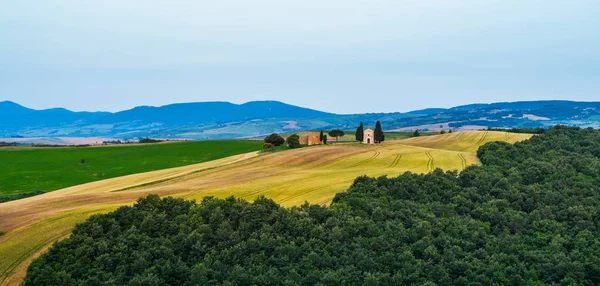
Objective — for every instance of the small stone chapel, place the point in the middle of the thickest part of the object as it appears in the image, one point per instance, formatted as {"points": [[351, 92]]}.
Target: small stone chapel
{"points": [[369, 136]]}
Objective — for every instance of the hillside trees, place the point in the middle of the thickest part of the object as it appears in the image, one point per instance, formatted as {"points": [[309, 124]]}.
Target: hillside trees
{"points": [[528, 216], [378, 134], [293, 141], [360, 132], [150, 140], [416, 133], [336, 133], [275, 139]]}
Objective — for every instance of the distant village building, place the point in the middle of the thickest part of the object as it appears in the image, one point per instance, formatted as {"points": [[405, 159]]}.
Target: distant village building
{"points": [[310, 139], [369, 136]]}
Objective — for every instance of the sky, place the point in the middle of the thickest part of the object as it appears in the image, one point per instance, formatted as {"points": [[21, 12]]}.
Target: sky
{"points": [[342, 56]]}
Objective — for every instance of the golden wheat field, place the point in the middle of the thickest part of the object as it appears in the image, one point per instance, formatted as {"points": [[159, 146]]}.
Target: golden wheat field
{"points": [[291, 177]]}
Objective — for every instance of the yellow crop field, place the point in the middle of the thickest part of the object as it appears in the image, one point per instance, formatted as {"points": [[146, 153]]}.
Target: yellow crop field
{"points": [[465, 141], [291, 177]]}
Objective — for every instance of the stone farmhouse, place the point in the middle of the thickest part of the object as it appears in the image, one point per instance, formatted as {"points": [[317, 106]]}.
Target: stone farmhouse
{"points": [[310, 139]]}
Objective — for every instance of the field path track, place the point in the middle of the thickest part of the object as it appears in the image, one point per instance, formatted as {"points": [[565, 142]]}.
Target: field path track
{"points": [[430, 162], [463, 160], [482, 139], [375, 155], [396, 161]]}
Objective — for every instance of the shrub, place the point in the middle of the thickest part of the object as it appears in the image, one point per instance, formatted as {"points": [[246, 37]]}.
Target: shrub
{"points": [[268, 147]]}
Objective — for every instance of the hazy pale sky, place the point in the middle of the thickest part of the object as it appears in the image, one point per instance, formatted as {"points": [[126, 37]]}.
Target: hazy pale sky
{"points": [[344, 56]]}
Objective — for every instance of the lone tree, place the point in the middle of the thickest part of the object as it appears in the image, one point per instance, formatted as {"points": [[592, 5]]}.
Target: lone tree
{"points": [[337, 134], [416, 134], [325, 139], [360, 133], [379, 137], [274, 139], [293, 141], [321, 136]]}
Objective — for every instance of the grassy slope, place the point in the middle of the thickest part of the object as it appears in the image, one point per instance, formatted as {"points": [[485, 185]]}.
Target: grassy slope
{"points": [[49, 169], [292, 177]]}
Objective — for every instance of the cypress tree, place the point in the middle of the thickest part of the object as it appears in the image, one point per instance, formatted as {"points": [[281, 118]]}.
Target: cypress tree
{"points": [[360, 133], [321, 136], [379, 137]]}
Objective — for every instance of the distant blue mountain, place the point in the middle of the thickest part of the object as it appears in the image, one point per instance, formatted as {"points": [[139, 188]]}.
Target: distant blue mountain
{"points": [[212, 112], [16, 119], [11, 108], [221, 120]]}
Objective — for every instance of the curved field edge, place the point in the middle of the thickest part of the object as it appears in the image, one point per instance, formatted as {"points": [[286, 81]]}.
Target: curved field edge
{"points": [[32, 170], [290, 178], [26, 243]]}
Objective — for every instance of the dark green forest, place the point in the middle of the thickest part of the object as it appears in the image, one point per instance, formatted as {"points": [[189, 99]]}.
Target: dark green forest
{"points": [[528, 216]]}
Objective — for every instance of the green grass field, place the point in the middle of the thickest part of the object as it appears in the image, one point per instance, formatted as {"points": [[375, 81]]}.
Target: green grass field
{"points": [[47, 169]]}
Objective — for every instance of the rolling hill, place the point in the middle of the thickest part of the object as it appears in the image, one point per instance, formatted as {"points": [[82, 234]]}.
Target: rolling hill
{"points": [[292, 177]]}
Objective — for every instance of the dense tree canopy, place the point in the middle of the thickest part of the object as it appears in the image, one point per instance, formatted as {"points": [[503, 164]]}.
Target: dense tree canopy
{"points": [[293, 141], [528, 216], [275, 139]]}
